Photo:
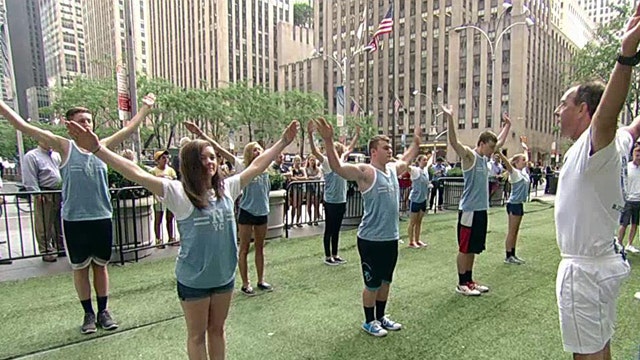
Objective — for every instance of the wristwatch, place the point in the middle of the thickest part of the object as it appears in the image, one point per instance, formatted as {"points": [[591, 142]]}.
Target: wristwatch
{"points": [[629, 60]]}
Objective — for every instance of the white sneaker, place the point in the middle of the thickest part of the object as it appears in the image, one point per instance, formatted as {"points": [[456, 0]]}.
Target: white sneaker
{"points": [[637, 295], [374, 328], [467, 291], [481, 288], [512, 260], [389, 324], [632, 249]]}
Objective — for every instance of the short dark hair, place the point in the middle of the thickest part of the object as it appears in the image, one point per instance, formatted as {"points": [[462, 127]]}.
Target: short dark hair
{"points": [[486, 137], [589, 93], [373, 143], [76, 110]]}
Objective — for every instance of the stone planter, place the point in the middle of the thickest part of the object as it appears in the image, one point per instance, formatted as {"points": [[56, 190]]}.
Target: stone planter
{"points": [[132, 227], [452, 192], [275, 224]]}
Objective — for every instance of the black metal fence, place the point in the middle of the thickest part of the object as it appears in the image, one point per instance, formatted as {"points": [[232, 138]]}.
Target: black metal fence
{"points": [[22, 217]]}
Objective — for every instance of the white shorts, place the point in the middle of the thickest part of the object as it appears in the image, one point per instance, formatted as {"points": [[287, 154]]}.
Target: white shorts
{"points": [[587, 291]]}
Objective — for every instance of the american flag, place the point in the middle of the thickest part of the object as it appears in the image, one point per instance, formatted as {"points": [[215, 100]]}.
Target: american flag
{"points": [[355, 108], [385, 27], [397, 105]]}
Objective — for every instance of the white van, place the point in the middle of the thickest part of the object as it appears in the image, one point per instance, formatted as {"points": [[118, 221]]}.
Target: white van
{"points": [[357, 158]]}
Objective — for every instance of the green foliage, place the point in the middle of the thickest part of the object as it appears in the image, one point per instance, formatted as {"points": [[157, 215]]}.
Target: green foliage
{"points": [[117, 181], [277, 181], [454, 172], [302, 14], [596, 60]]}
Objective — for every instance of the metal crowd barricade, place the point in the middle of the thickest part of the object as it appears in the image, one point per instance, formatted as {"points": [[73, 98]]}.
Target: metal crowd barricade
{"points": [[132, 225], [307, 196]]}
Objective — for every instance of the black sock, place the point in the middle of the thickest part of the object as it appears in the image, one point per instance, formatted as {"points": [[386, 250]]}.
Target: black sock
{"points": [[368, 314], [380, 305], [511, 253], [86, 305], [462, 279], [102, 303], [469, 276]]}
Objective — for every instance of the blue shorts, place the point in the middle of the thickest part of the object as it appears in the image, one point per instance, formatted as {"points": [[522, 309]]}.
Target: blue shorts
{"points": [[418, 206], [186, 293], [515, 209]]}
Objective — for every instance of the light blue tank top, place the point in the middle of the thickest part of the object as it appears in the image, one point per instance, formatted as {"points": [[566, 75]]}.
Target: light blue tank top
{"points": [[419, 187], [255, 196], [519, 190], [475, 195], [381, 214], [335, 188], [85, 191], [208, 252]]}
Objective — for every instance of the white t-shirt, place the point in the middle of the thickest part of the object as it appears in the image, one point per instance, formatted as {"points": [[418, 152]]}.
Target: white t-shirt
{"points": [[324, 165], [590, 195], [633, 182], [517, 175], [415, 172], [176, 200]]}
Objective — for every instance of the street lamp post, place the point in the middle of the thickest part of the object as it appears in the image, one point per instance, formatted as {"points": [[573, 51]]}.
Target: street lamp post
{"points": [[433, 131], [528, 22], [343, 66]]}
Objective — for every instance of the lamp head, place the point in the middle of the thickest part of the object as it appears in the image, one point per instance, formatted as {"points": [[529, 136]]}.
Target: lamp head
{"points": [[529, 21], [507, 5], [415, 92], [439, 89]]}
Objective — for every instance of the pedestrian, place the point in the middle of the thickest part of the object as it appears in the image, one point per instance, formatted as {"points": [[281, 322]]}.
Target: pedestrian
{"points": [[41, 172], [203, 204], [313, 192], [379, 232], [439, 171], [588, 200], [519, 180], [631, 212], [86, 206], [296, 191], [175, 162], [472, 211], [163, 170]]}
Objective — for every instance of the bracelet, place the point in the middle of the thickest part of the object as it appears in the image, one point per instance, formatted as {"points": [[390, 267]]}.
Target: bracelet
{"points": [[629, 60], [98, 149]]}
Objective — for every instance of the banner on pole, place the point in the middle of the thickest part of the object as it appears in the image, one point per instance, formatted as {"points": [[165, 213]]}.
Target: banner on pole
{"points": [[340, 105], [124, 98]]}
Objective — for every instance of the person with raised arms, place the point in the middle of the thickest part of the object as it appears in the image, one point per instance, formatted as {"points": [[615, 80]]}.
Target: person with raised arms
{"points": [[203, 205], [379, 232]]}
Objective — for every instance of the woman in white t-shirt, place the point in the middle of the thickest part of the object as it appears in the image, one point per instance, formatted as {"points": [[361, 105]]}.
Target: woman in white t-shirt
{"points": [[519, 180], [203, 205]]}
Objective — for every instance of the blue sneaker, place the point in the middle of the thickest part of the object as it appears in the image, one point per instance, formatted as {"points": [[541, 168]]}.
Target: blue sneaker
{"points": [[389, 324], [374, 328]]}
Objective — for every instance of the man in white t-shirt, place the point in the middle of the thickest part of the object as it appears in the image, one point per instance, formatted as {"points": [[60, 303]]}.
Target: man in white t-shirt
{"points": [[587, 206], [631, 212]]}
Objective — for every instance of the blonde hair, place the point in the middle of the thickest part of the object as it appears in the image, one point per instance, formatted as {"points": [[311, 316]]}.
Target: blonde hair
{"points": [[248, 157], [515, 158]]}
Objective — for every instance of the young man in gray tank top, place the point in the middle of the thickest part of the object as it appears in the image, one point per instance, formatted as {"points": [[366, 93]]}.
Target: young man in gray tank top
{"points": [[378, 233], [86, 208], [472, 215]]}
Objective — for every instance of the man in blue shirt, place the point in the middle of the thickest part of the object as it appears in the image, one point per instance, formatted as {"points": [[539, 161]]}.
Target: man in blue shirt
{"points": [[439, 171]]}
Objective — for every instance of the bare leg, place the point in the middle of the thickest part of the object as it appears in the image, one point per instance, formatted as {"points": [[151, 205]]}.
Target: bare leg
{"points": [[418, 228], [413, 218], [157, 226], [604, 354], [621, 232], [169, 224], [512, 233], [100, 279], [82, 284], [244, 233], [259, 231], [632, 234], [218, 311], [196, 314]]}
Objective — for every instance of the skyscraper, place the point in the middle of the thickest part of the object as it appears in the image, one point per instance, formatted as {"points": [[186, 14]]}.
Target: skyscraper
{"points": [[28, 55], [7, 81], [602, 11]]}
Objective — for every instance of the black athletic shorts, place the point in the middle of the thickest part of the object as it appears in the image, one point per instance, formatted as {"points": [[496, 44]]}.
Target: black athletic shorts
{"points": [[416, 207], [631, 213], [378, 260], [87, 241], [515, 209], [247, 218], [187, 293], [472, 231]]}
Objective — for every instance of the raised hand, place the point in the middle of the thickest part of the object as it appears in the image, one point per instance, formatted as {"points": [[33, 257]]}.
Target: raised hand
{"points": [[149, 100], [447, 110], [85, 138], [506, 119], [290, 132], [417, 135], [193, 128], [324, 129], [523, 142], [310, 127], [631, 36]]}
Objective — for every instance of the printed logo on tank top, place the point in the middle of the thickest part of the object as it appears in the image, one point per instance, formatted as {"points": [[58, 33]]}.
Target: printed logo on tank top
{"points": [[215, 218]]}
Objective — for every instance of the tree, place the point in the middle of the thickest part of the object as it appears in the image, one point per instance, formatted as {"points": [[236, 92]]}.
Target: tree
{"points": [[303, 107], [597, 58], [302, 15], [366, 125]]}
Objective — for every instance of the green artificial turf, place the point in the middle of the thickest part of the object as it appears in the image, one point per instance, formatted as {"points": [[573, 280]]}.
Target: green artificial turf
{"points": [[315, 311]]}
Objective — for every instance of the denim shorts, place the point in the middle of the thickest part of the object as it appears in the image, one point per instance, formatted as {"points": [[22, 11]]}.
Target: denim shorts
{"points": [[186, 293]]}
